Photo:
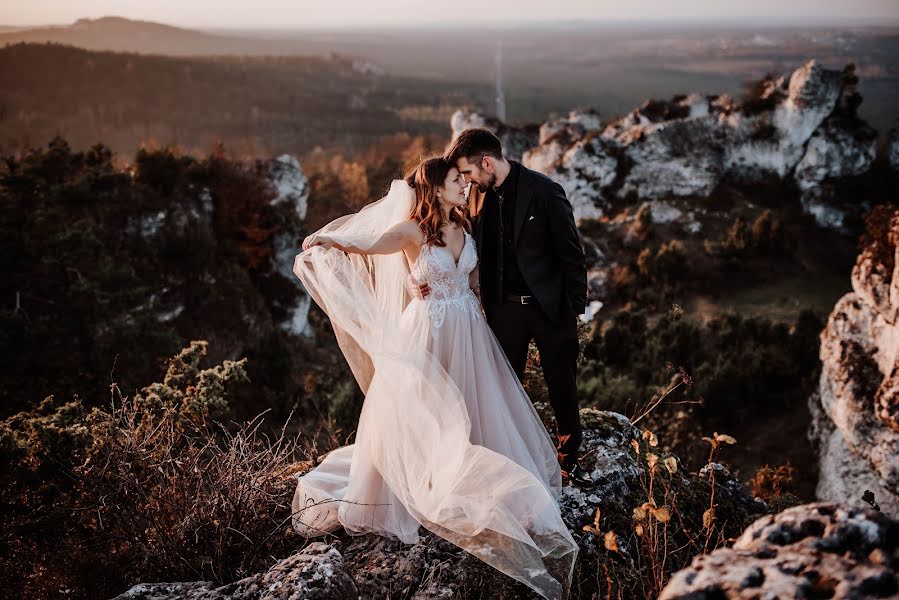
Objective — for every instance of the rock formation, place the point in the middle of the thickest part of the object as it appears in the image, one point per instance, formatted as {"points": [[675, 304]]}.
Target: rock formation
{"points": [[289, 191], [856, 407], [810, 551], [515, 139], [315, 573], [374, 567], [292, 191], [893, 150], [289, 183], [802, 128], [572, 152]]}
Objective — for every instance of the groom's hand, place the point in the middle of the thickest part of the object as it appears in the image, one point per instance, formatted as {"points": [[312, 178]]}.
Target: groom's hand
{"points": [[417, 289]]}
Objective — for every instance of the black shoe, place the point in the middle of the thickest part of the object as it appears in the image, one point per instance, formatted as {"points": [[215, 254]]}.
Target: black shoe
{"points": [[577, 475]]}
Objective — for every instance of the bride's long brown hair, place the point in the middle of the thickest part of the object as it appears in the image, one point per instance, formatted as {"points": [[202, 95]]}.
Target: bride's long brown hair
{"points": [[426, 179]]}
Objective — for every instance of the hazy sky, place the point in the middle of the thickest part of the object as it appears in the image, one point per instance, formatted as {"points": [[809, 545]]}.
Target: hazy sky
{"points": [[304, 13]]}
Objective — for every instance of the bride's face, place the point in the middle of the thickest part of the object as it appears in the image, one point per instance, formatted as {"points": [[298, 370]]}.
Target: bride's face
{"points": [[453, 190]]}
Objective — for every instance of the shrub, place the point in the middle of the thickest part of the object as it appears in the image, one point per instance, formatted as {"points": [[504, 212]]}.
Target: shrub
{"points": [[766, 234], [740, 364], [764, 237], [775, 485], [665, 265], [153, 488], [119, 267], [681, 515]]}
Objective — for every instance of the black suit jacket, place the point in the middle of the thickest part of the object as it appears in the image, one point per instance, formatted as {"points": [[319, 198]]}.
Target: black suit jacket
{"points": [[546, 240]]}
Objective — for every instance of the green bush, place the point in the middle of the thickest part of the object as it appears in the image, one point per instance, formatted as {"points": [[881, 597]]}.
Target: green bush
{"points": [[113, 269], [738, 364]]}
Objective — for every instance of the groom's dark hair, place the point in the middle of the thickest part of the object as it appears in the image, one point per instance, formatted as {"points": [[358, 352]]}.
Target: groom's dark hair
{"points": [[474, 144]]}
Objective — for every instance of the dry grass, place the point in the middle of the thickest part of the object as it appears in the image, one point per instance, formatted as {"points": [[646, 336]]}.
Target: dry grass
{"points": [[154, 488], [187, 496]]}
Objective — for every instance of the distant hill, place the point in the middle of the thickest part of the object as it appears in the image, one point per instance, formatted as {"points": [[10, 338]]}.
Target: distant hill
{"points": [[255, 105], [550, 68], [127, 35]]}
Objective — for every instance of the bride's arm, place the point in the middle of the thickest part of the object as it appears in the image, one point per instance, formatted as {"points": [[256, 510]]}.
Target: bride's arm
{"points": [[307, 243], [400, 236]]}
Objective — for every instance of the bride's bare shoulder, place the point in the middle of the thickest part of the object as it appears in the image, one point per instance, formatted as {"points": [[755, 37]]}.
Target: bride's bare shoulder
{"points": [[411, 230], [414, 237]]}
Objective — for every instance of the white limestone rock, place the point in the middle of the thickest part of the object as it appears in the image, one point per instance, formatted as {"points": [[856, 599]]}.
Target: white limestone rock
{"points": [[583, 169], [836, 150], [844, 475], [147, 225], [576, 125], [290, 183], [367, 67], [893, 150], [857, 432], [317, 572], [286, 247], [515, 140], [800, 126], [820, 550], [292, 190], [663, 213], [675, 158]]}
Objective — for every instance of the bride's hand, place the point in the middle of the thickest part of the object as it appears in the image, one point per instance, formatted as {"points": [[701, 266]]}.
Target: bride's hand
{"points": [[318, 239], [417, 289]]}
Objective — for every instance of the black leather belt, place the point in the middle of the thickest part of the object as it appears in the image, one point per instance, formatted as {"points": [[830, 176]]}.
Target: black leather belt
{"points": [[519, 298]]}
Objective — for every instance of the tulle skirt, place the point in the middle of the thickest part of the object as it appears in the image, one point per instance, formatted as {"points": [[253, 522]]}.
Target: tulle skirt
{"points": [[449, 440]]}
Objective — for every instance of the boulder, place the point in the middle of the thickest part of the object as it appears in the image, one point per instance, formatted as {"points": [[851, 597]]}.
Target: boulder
{"points": [[817, 550], [371, 566], [317, 572]]}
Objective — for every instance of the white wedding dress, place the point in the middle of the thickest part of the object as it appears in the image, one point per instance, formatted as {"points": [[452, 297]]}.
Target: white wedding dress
{"points": [[447, 437]]}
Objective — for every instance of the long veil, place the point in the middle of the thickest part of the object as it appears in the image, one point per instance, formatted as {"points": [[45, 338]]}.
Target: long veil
{"points": [[412, 451]]}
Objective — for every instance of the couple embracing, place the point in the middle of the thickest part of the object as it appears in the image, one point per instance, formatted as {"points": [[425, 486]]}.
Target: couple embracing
{"points": [[434, 298]]}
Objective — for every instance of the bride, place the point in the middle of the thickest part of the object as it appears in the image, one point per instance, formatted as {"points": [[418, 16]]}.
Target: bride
{"points": [[447, 437]]}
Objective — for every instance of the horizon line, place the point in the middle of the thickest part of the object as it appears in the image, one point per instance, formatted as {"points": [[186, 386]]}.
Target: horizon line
{"points": [[744, 21]]}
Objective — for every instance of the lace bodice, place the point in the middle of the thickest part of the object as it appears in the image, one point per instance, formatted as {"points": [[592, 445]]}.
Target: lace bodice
{"points": [[447, 279]]}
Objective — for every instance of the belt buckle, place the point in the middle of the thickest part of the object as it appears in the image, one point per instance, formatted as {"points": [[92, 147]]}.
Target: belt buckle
{"points": [[523, 299]]}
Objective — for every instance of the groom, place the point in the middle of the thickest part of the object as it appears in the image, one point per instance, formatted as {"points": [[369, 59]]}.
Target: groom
{"points": [[533, 276]]}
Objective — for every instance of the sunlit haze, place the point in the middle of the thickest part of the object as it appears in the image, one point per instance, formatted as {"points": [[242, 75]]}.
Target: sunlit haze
{"points": [[343, 13]]}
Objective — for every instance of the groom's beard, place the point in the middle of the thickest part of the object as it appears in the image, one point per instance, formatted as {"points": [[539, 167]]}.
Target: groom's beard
{"points": [[483, 187]]}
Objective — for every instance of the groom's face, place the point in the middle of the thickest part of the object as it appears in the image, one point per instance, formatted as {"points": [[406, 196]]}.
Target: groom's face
{"points": [[478, 172]]}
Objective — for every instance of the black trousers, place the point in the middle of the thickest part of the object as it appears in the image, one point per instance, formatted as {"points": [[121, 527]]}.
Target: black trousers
{"points": [[515, 325]]}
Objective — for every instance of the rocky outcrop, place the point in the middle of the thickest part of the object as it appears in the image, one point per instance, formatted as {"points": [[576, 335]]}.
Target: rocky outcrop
{"points": [[810, 551], [196, 209], [290, 184], [371, 566], [315, 573], [292, 194], [571, 151], [774, 140], [835, 151], [803, 129], [856, 407], [515, 139], [892, 150], [679, 157]]}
